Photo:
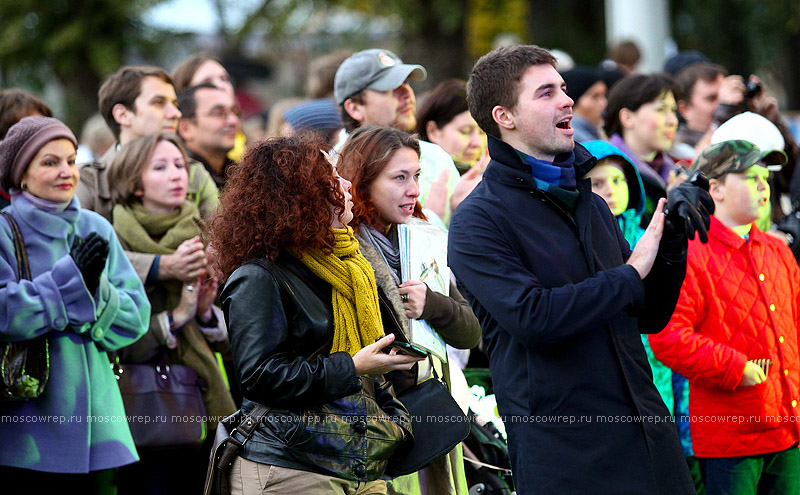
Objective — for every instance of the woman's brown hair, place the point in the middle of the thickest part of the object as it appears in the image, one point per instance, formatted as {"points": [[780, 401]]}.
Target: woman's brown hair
{"points": [[183, 73], [282, 195], [15, 104], [363, 158], [125, 172]]}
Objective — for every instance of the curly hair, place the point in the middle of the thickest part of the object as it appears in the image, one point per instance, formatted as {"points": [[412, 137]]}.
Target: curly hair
{"points": [[283, 195], [363, 158]]}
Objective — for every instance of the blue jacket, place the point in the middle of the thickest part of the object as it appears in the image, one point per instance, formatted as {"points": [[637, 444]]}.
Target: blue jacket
{"points": [[561, 314], [78, 424], [630, 219]]}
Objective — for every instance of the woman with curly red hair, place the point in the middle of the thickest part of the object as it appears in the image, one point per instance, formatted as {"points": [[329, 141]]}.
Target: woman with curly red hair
{"points": [[383, 165], [305, 327]]}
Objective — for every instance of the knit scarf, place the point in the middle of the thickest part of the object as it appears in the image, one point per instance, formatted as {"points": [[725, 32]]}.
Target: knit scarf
{"points": [[356, 314], [556, 178], [137, 227], [384, 246]]}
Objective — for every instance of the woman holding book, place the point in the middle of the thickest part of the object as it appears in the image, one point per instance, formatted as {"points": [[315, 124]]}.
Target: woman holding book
{"points": [[383, 165], [306, 335]]}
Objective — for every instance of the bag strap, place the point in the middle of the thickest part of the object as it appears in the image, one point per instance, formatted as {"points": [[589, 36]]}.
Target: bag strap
{"points": [[23, 268], [248, 424], [266, 266], [434, 373]]}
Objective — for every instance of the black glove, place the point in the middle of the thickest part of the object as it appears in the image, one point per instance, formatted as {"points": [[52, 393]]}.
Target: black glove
{"points": [[689, 208], [790, 224], [90, 257]]}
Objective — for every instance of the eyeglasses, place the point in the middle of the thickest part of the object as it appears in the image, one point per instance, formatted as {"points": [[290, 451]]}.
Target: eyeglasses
{"points": [[223, 113]]}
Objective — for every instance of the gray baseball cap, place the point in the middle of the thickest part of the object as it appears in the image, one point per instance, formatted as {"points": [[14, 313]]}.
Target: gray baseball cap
{"points": [[376, 69]]}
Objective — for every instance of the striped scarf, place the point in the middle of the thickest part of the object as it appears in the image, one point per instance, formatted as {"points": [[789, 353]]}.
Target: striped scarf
{"points": [[556, 178]]}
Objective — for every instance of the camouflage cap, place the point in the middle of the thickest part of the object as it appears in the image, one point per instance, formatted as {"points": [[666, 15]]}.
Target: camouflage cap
{"points": [[731, 156]]}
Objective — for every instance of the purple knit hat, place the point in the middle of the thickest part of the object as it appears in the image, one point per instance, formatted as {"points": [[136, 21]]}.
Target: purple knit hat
{"points": [[23, 141]]}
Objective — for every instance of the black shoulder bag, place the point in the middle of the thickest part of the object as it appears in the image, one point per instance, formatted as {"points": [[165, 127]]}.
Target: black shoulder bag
{"points": [[437, 422], [24, 366]]}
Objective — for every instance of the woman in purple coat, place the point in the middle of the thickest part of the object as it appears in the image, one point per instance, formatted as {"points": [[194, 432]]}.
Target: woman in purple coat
{"points": [[85, 296]]}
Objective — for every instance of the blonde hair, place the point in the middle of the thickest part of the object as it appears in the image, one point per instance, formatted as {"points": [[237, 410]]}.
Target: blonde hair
{"points": [[125, 173]]}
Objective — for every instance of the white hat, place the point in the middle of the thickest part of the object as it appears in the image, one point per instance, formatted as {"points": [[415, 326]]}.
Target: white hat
{"points": [[752, 127]]}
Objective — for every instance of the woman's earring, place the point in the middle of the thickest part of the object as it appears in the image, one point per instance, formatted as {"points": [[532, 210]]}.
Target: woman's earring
{"points": [[23, 186]]}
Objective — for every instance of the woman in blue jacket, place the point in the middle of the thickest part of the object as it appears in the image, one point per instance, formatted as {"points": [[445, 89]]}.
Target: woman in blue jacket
{"points": [[86, 298]]}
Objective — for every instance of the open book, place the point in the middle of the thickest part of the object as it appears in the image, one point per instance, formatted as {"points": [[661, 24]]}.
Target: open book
{"points": [[423, 256]]}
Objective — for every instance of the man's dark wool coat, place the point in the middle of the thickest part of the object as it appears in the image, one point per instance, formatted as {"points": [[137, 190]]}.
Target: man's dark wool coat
{"points": [[561, 314]]}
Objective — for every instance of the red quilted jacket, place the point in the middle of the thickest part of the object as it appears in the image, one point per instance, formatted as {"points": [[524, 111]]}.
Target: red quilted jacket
{"points": [[738, 302]]}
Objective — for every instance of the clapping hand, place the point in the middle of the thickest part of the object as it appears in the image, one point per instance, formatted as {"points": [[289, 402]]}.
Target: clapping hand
{"points": [[187, 262], [689, 208], [207, 292], [90, 257]]}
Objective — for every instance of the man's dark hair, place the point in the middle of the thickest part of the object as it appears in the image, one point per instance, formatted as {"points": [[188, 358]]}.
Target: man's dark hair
{"points": [[632, 92], [351, 124], [124, 86], [688, 77], [187, 100], [495, 81], [16, 104]]}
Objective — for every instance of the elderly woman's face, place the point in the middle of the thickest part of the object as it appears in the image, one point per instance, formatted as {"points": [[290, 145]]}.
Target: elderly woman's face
{"points": [[164, 180], [53, 174]]}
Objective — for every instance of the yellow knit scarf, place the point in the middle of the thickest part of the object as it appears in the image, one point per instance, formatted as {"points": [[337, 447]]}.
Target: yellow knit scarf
{"points": [[356, 314]]}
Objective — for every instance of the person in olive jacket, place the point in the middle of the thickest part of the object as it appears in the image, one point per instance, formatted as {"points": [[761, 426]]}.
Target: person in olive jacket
{"points": [[305, 328], [561, 297]]}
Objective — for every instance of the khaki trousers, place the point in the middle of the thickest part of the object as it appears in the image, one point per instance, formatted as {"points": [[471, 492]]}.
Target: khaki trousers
{"points": [[252, 478]]}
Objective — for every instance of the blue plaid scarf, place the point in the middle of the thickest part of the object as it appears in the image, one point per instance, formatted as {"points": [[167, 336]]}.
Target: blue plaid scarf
{"points": [[556, 178]]}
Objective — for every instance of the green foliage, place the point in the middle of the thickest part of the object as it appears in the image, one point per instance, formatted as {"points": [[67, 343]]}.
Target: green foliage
{"points": [[444, 16], [77, 42], [742, 35], [490, 18]]}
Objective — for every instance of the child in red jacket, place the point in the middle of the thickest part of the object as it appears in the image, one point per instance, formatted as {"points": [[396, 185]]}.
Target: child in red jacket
{"points": [[734, 335]]}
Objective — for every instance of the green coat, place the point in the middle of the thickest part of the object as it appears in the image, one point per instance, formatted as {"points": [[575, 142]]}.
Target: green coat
{"points": [[78, 424]]}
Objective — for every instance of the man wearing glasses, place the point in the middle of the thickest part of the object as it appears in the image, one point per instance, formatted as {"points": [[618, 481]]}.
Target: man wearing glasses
{"points": [[208, 127]]}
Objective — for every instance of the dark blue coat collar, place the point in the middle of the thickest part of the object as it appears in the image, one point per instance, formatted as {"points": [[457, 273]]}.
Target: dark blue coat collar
{"points": [[502, 152]]}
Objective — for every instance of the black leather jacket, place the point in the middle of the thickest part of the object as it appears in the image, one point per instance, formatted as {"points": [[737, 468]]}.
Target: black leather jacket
{"points": [[324, 418]]}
